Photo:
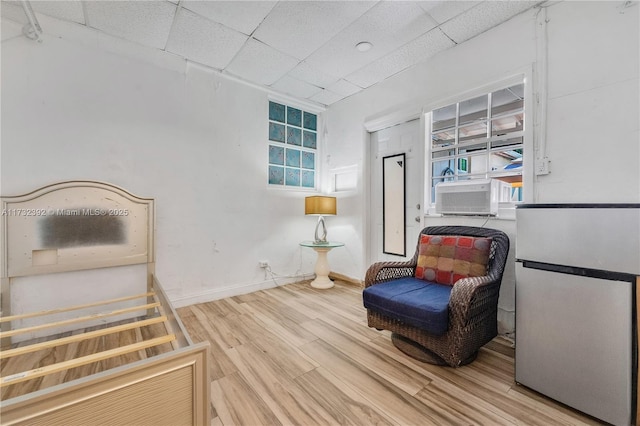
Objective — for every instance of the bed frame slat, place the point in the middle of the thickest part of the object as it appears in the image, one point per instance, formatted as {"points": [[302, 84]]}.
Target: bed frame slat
{"points": [[12, 333], [74, 308], [80, 337], [78, 362]]}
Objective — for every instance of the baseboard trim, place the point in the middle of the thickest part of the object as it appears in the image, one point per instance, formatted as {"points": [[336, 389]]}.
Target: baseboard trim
{"points": [[230, 291], [346, 279]]}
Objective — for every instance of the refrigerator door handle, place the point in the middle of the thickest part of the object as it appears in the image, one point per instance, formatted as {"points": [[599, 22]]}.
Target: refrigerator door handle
{"points": [[579, 271]]}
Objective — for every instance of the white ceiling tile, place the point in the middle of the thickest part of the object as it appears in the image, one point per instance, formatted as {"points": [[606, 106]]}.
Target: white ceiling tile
{"points": [[295, 87], [344, 88], [442, 11], [387, 26], [204, 41], [412, 53], [483, 17], [299, 28], [306, 72], [260, 63], [304, 48], [145, 22], [243, 16], [67, 10], [326, 97]]}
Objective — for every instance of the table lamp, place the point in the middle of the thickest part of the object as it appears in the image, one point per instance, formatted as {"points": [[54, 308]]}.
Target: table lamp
{"points": [[320, 205]]}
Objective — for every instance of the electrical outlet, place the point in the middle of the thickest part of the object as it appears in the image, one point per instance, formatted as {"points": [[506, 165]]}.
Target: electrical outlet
{"points": [[542, 166], [263, 263]]}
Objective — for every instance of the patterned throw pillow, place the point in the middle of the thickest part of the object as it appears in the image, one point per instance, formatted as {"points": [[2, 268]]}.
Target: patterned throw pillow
{"points": [[445, 259]]}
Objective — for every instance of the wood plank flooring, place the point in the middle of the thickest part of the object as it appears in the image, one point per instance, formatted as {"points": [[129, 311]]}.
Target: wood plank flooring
{"points": [[294, 355], [60, 353]]}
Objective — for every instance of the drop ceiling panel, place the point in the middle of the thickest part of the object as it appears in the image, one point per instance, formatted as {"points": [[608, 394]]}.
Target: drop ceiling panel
{"points": [[67, 10], [442, 11], [260, 63], [326, 97], [482, 17], [302, 48], [306, 72], [204, 41], [299, 28], [344, 88], [388, 25], [243, 16], [412, 53], [295, 87], [145, 22]]}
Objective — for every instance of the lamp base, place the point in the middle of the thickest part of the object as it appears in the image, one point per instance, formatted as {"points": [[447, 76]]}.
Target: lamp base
{"points": [[321, 232]]}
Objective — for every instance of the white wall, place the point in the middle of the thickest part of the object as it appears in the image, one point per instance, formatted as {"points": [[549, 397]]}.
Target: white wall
{"points": [[592, 123], [197, 142], [191, 139]]}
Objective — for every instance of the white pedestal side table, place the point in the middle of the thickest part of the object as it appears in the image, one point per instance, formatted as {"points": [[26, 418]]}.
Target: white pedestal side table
{"points": [[322, 263]]}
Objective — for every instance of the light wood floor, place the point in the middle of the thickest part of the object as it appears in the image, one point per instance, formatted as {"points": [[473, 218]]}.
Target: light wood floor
{"points": [[294, 355], [60, 353]]}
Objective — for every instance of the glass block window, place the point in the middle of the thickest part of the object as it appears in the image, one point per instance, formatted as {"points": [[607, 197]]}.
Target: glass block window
{"points": [[292, 146]]}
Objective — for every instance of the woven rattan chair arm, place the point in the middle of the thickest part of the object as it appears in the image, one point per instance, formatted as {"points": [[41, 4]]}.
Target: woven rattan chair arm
{"points": [[386, 271], [470, 294]]}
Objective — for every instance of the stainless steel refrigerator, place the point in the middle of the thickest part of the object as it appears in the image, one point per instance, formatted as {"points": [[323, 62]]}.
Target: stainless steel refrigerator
{"points": [[576, 319]]}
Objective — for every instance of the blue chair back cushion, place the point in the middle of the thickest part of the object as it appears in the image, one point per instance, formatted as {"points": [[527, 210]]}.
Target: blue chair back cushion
{"points": [[416, 302]]}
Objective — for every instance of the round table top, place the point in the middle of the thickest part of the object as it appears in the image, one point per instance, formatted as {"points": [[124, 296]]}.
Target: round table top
{"points": [[328, 244]]}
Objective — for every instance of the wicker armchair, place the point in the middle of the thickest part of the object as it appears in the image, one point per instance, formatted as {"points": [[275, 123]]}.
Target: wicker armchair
{"points": [[472, 308]]}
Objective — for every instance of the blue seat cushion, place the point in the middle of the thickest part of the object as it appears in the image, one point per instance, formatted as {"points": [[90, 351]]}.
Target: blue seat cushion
{"points": [[416, 302]]}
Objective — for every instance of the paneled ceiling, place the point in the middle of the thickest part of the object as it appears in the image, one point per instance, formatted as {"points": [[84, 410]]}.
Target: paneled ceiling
{"points": [[306, 49]]}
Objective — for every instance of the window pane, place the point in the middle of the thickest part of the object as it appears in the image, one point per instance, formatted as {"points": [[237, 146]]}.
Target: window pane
{"points": [[444, 138], [308, 179], [473, 110], [515, 143], [293, 158], [308, 160], [443, 153], [476, 165], [507, 124], [507, 101], [276, 155], [276, 132], [472, 131], [292, 177], [276, 175], [482, 146], [443, 118], [310, 121], [294, 136], [443, 168], [276, 112], [507, 160], [309, 140], [294, 116]]}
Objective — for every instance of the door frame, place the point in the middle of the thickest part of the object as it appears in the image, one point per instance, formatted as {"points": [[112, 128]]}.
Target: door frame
{"points": [[374, 124]]}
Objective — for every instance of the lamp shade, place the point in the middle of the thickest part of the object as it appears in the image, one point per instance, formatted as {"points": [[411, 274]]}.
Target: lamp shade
{"points": [[320, 205]]}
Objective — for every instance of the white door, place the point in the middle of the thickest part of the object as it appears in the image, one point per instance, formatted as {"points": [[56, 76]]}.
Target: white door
{"points": [[401, 139]]}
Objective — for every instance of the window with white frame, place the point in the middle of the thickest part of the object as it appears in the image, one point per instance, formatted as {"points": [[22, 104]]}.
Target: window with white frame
{"points": [[479, 138], [292, 146]]}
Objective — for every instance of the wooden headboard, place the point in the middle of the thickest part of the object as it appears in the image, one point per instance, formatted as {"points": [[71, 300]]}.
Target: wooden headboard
{"points": [[75, 225], [72, 226]]}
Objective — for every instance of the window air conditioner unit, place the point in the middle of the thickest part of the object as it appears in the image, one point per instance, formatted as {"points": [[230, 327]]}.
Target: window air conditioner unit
{"points": [[471, 197]]}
